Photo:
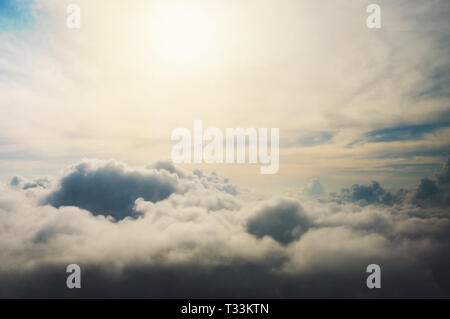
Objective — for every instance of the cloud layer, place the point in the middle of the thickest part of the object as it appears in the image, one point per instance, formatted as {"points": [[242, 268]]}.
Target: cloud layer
{"points": [[203, 237]]}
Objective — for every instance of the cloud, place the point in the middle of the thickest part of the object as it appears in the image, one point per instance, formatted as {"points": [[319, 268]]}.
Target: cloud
{"points": [[111, 189], [167, 166], [370, 194], [374, 66], [315, 139], [25, 183], [203, 241], [404, 133], [435, 192], [439, 85], [189, 234], [314, 188], [431, 192], [283, 220]]}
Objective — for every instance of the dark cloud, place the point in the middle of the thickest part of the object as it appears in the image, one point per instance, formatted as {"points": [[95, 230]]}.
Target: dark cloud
{"points": [[284, 221], [444, 175], [25, 184], [431, 192], [428, 189], [15, 181], [240, 280], [252, 281], [370, 194], [435, 192], [111, 189]]}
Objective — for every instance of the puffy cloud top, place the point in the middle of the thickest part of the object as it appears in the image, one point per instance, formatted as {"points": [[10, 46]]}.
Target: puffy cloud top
{"points": [[283, 220], [220, 242], [111, 189], [435, 192], [370, 194], [315, 188]]}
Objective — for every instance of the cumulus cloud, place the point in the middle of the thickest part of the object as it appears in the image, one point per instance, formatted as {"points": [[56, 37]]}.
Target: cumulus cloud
{"points": [[314, 188], [431, 192], [370, 194], [202, 240], [283, 220], [435, 192], [110, 188], [26, 183]]}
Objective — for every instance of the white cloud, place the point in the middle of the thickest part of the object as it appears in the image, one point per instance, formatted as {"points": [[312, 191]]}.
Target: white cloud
{"points": [[204, 228]]}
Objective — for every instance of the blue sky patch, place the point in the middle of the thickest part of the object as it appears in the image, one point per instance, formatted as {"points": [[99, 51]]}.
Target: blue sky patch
{"points": [[404, 133], [442, 153], [438, 85], [418, 165], [16, 15], [316, 139]]}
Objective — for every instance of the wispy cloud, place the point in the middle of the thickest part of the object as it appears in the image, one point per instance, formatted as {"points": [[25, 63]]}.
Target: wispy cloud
{"points": [[104, 90], [404, 133]]}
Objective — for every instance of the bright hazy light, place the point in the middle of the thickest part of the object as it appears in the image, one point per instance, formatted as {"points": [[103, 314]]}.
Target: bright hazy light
{"points": [[184, 34]]}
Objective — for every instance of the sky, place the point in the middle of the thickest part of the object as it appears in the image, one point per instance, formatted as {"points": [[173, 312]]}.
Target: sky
{"points": [[86, 117], [350, 102]]}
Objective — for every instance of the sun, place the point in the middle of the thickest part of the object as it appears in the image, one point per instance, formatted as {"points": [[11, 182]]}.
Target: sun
{"points": [[184, 33]]}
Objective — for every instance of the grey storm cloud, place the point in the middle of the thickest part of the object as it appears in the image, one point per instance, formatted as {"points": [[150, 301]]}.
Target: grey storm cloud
{"points": [[431, 192], [283, 220], [436, 191], [196, 235], [111, 189], [370, 194]]}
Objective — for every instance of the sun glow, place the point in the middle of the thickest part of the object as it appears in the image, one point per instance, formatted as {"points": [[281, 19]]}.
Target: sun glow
{"points": [[184, 34]]}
